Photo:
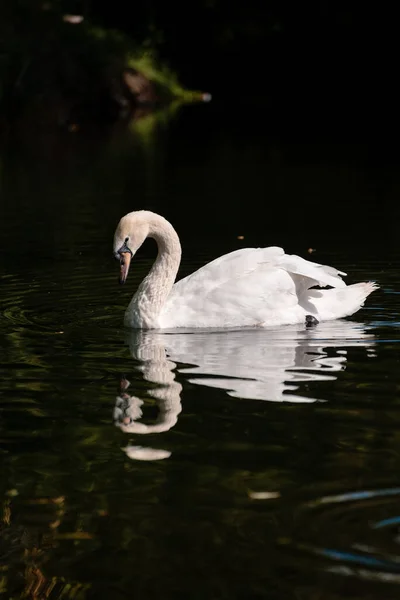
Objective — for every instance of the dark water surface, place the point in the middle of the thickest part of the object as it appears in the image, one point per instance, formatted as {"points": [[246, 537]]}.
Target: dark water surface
{"points": [[241, 464]]}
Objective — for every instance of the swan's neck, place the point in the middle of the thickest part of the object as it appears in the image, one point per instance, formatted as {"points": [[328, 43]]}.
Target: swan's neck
{"points": [[149, 299]]}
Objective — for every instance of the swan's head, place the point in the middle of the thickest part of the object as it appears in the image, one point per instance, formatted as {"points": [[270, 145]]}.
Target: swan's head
{"points": [[130, 234]]}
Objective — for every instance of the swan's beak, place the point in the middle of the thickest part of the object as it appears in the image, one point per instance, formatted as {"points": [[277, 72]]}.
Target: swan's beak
{"points": [[124, 261]]}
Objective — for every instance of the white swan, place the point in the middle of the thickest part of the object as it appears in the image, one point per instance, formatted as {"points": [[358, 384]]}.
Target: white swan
{"points": [[245, 288]]}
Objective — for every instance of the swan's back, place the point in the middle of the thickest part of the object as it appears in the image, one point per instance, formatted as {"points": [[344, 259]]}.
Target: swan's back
{"points": [[228, 267], [248, 287]]}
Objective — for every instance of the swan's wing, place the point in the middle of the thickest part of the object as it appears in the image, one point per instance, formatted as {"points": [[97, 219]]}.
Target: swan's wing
{"points": [[245, 261], [247, 287], [319, 274], [229, 267]]}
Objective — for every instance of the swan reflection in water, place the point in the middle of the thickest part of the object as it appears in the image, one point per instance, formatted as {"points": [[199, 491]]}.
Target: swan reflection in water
{"points": [[259, 364]]}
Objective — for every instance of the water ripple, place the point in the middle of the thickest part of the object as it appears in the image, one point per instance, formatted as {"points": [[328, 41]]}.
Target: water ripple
{"points": [[353, 533]]}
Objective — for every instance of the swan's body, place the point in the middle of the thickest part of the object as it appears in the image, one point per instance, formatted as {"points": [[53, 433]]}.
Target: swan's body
{"points": [[246, 288]]}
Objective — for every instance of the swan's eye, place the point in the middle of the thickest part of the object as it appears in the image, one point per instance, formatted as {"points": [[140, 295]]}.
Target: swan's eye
{"points": [[124, 248]]}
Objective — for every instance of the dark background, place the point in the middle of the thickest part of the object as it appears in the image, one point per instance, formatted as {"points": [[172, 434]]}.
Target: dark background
{"points": [[318, 64], [323, 68], [302, 129]]}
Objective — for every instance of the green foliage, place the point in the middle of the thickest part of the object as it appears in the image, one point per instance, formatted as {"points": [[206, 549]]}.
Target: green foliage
{"points": [[44, 59], [146, 62]]}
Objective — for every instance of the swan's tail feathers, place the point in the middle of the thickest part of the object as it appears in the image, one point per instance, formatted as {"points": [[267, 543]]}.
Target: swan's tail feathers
{"points": [[354, 296], [369, 287], [360, 292], [337, 303]]}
